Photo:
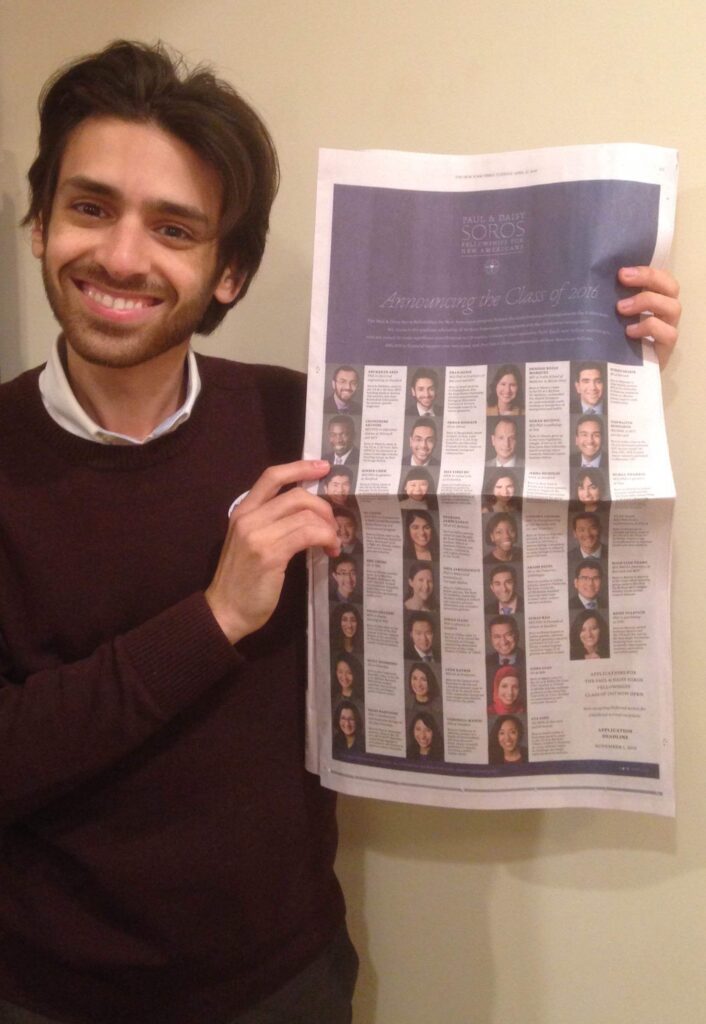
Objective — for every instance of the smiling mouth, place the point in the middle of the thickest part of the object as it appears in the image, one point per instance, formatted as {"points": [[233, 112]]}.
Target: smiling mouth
{"points": [[109, 300]]}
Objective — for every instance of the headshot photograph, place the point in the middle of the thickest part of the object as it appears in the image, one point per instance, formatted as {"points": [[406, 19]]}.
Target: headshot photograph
{"points": [[589, 443], [508, 692], [506, 741], [502, 491], [424, 395], [421, 542], [347, 729], [421, 637], [422, 443], [590, 489], [504, 443], [589, 637], [345, 584], [588, 590], [417, 489], [425, 739], [340, 448], [500, 535], [503, 646], [338, 485], [347, 678], [422, 684], [502, 582], [505, 391], [346, 627], [420, 587], [587, 538], [589, 392], [344, 393], [347, 530]]}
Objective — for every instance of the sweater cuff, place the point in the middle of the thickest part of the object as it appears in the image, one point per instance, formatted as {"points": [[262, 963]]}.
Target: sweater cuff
{"points": [[179, 654]]}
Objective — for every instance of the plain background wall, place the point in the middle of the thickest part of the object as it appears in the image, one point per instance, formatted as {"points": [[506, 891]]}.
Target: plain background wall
{"points": [[460, 917]]}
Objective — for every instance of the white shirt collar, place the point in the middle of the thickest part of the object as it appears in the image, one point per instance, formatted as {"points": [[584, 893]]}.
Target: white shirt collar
{"points": [[63, 407]]}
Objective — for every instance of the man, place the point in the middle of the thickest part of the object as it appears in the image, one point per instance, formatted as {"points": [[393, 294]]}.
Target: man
{"points": [[589, 388], [165, 856], [504, 637], [589, 443], [344, 385], [504, 443], [420, 637], [424, 387], [341, 438], [503, 585], [588, 579], [338, 485], [586, 528], [347, 531], [422, 441], [344, 580]]}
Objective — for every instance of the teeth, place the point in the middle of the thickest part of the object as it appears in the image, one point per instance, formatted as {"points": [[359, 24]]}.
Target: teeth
{"points": [[114, 303]]}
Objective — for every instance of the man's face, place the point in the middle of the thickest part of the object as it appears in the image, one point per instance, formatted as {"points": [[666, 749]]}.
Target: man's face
{"points": [[346, 530], [338, 487], [421, 443], [339, 437], [503, 587], [345, 385], [422, 636], [588, 534], [424, 392], [588, 583], [130, 252], [504, 440], [589, 438], [503, 639], [589, 387], [345, 578]]}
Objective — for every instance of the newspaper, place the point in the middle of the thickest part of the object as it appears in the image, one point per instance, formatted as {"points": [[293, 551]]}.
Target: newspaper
{"points": [[495, 633]]}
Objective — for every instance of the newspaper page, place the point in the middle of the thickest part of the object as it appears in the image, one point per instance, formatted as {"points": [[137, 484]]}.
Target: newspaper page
{"points": [[495, 632]]}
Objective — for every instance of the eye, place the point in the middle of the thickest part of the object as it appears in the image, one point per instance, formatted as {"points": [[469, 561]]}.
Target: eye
{"points": [[175, 233], [89, 209]]}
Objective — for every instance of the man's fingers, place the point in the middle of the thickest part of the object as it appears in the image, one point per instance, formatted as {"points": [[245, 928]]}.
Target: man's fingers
{"points": [[649, 279], [663, 335], [660, 305], [274, 478]]}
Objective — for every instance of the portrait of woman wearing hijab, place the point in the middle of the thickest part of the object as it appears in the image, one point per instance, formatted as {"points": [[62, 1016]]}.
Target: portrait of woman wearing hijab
{"points": [[507, 692]]}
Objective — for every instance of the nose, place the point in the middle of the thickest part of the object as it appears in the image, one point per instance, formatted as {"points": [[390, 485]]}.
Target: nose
{"points": [[123, 251]]}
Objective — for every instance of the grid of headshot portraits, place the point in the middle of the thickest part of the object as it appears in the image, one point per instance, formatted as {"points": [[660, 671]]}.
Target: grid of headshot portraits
{"points": [[503, 573], [589, 514], [503, 578]]}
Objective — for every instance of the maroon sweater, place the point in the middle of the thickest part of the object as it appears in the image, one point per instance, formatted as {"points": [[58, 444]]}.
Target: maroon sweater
{"points": [[166, 858]]}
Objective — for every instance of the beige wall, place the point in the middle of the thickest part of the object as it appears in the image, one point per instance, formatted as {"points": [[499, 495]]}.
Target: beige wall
{"points": [[553, 917]]}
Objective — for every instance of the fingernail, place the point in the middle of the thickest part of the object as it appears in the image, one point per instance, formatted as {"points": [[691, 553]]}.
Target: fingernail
{"points": [[629, 271], [320, 464], [625, 305]]}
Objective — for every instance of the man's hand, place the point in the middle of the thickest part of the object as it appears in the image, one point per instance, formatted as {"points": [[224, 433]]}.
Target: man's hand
{"points": [[658, 295], [265, 531]]}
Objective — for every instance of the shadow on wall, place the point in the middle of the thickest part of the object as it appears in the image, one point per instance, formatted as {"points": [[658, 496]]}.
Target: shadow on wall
{"points": [[10, 361]]}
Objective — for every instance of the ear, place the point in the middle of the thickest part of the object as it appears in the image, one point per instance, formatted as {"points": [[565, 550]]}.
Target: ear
{"points": [[228, 285], [37, 238]]}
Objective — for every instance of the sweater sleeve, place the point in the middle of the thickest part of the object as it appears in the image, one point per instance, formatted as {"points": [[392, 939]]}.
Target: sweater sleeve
{"points": [[63, 726]]}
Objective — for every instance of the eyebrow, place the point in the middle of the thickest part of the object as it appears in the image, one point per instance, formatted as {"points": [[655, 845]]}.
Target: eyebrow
{"points": [[81, 182]]}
